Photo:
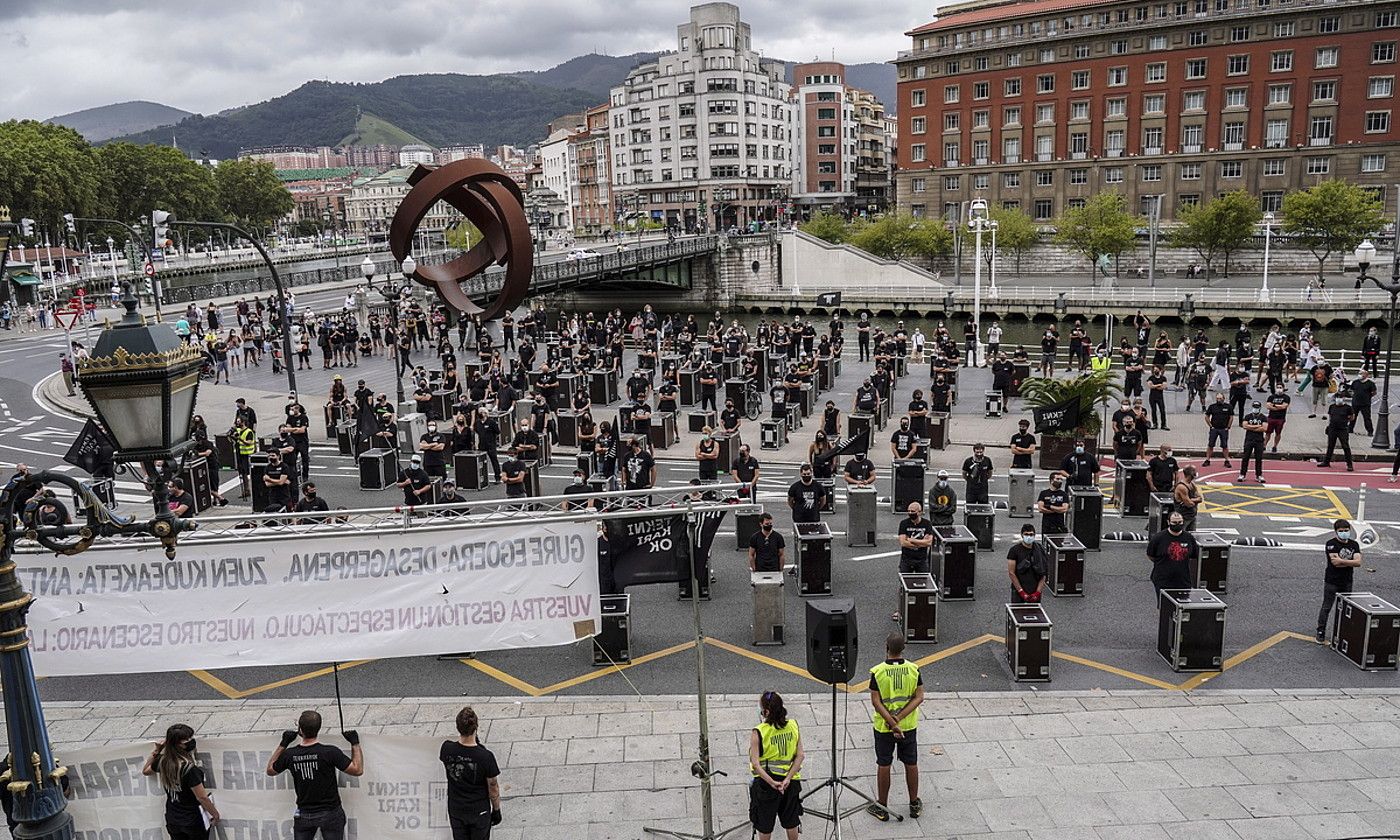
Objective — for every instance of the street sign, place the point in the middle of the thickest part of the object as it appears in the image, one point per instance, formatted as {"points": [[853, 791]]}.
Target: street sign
{"points": [[149, 270], [67, 317]]}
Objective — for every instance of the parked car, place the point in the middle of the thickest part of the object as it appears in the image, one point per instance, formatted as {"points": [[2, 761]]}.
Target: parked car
{"points": [[582, 254]]}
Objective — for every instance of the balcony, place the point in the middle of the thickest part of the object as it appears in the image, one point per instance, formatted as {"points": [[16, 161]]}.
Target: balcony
{"points": [[1011, 159], [1043, 157], [952, 163], [1113, 153], [1319, 141], [1275, 144], [1191, 149], [979, 161], [1233, 147], [1152, 150], [1078, 155]]}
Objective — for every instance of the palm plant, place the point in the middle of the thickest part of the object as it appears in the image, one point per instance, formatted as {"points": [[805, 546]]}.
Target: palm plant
{"points": [[1094, 390]]}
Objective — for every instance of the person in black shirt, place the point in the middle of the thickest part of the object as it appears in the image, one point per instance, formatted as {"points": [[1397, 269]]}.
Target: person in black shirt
{"points": [[1052, 504], [1254, 425], [806, 497], [314, 767], [1022, 447], [1171, 552], [903, 444], [513, 475], [298, 427], [977, 472], [745, 470], [639, 468], [1127, 442], [1343, 557], [709, 380], [1239, 391], [942, 500], [729, 418], [915, 538], [1363, 391], [488, 437], [473, 789], [433, 444], [766, 547], [1156, 398], [417, 486], [859, 471], [1277, 404], [578, 486], [1218, 419], [1026, 566], [1079, 467], [867, 399], [310, 502], [278, 480], [1161, 470], [1339, 419], [186, 800], [180, 500], [831, 420]]}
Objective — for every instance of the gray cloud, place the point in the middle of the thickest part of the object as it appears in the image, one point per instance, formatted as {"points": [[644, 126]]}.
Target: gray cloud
{"points": [[204, 57]]}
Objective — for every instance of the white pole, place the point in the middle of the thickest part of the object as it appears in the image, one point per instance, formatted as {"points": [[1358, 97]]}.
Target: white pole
{"points": [[1268, 235], [112, 260], [977, 291], [993, 290], [53, 275]]}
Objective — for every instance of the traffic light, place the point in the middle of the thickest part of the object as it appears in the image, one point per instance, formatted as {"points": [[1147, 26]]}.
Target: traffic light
{"points": [[148, 286], [69, 223], [26, 227], [160, 222]]}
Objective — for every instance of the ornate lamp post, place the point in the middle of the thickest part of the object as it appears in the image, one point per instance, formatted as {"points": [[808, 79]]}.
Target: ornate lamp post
{"points": [[141, 381], [393, 294], [1366, 256], [978, 221], [1268, 220]]}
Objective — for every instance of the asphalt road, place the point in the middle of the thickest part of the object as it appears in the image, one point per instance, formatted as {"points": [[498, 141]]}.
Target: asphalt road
{"points": [[1110, 633]]}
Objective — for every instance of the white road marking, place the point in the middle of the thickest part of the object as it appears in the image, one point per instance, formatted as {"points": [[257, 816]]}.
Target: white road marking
{"points": [[876, 556]]}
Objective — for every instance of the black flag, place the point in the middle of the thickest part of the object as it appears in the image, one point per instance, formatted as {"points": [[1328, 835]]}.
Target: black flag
{"points": [[85, 453], [1060, 417], [849, 446], [654, 550], [830, 300]]}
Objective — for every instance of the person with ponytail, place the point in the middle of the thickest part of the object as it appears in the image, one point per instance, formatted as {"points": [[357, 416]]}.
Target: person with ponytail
{"points": [[183, 780], [775, 759]]}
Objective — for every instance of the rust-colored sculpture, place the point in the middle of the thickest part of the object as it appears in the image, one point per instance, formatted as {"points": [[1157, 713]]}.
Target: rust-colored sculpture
{"points": [[489, 199]]}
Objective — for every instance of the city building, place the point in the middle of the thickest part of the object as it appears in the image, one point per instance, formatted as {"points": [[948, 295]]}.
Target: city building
{"points": [[590, 190], [373, 201], [554, 168], [296, 157], [700, 136], [380, 156], [414, 154], [840, 160], [452, 154], [874, 152], [1039, 104]]}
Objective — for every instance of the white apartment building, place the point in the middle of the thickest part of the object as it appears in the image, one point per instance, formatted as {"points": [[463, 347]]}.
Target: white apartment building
{"points": [[554, 165], [701, 137], [414, 154], [452, 154]]}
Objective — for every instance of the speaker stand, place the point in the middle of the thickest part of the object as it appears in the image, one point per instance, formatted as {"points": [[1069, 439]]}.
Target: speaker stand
{"points": [[835, 783]]}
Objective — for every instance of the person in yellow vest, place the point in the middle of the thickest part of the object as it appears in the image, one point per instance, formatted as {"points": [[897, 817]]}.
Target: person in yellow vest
{"points": [[896, 692], [775, 759], [244, 444]]}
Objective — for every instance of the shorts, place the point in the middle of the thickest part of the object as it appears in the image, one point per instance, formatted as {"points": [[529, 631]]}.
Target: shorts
{"points": [[767, 806], [908, 566], [1273, 425], [885, 744], [1221, 435]]}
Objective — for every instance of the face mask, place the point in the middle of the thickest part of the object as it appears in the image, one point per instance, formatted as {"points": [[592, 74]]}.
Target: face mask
{"points": [[1027, 539], [1055, 485], [1079, 450], [942, 482], [1175, 527], [432, 429], [1167, 454], [1343, 535], [767, 528]]}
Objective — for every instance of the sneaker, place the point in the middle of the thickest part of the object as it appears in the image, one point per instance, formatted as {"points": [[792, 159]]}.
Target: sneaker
{"points": [[1239, 480], [1227, 463], [1324, 465], [894, 616], [878, 811], [1166, 428], [1205, 463], [1259, 478], [916, 808], [1273, 451], [1311, 416], [1321, 637], [1350, 468]]}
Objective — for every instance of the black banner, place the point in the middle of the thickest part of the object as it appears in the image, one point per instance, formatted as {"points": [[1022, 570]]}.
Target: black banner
{"points": [[1060, 417], [848, 446], [830, 300], [643, 551], [86, 451]]}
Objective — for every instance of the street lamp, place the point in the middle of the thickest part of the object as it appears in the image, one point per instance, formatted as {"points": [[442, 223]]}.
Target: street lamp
{"points": [[1264, 293], [993, 290], [112, 261], [1365, 257], [392, 294], [978, 221], [141, 381]]}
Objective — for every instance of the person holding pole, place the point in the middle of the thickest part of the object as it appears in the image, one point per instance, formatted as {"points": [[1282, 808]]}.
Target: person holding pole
{"points": [[314, 767], [896, 692], [775, 760], [473, 786]]}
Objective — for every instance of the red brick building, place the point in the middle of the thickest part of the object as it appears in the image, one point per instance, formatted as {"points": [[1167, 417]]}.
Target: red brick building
{"points": [[1039, 104]]}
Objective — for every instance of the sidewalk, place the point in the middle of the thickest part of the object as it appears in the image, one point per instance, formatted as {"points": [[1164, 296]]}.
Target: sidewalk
{"points": [[1050, 765]]}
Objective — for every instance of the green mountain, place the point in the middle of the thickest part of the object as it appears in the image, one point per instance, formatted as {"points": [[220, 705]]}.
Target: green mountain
{"points": [[108, 121], [372, 131], [436, 109]]}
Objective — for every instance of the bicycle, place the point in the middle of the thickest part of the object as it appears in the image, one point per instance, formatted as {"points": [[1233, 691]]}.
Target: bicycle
{"points": [[753, 401]]}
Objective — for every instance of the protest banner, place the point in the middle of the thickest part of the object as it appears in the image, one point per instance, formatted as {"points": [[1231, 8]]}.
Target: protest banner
{"points": [[300, 600]]}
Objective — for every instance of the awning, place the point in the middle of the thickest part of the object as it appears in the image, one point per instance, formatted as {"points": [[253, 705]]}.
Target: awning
{"points": [[24, 279]]}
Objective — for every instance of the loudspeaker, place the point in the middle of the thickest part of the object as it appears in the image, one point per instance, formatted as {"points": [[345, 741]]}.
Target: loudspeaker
{"points": [[831, 639]]}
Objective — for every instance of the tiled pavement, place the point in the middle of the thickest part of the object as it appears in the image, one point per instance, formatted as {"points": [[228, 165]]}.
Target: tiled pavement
{"points": [[1048, 765]]}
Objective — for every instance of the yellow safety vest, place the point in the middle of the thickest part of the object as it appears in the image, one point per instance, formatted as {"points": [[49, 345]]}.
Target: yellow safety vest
{"points": [[1100, 363], [245, 441], [777, 749], [896, 681]]}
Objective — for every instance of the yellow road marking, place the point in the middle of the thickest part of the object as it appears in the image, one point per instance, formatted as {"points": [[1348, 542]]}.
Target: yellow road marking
{"points": [[217, 684], [1345, 512], [240, 693], [640, 660], [767, 660], [940, 655], [1115, 670], [1241, 657], [514, 682]]}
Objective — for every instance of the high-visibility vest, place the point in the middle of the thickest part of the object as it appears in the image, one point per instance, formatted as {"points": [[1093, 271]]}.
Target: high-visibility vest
{"points": [[777, 749], [245, 441], [897, 682], [1099, 363]]}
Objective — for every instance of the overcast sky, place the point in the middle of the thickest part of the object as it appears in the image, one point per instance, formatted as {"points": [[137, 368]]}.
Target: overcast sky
{"points": [[203, 56]]}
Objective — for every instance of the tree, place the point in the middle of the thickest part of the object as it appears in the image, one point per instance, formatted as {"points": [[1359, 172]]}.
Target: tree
{"points": [[1102, 227], [139, 179], [1016, 234], [826, 226], [1218, 228], [1331, 217], [462, 235], [46, 171], [899, 237], [248, 191]]}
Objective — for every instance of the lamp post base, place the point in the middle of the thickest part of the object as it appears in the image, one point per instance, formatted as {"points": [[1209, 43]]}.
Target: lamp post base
{"points": [[1266, 295], [1381, 439]]}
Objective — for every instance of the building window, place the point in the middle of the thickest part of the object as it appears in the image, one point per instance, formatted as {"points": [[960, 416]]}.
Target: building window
{"points": [[1154, 103], [1113, 175], [826, 113], [1011, 115], [951, 93], [1329, 24], [919, 125], [1079, 176], [1012, 87], [1236, 97], [980, 63], [1195, 68], [1326, 57], [1283, 29], [1200, 38], [951, 122], [1274, 167], [981, 182], [1190, 171], [1237, 65], [1079, 144], [1117, 76], [1319, 165], [918, 185], [1377, 122], [1045, 83], [1152, 141], [916, 98], [981, 119], [1011, 180], [1046, 177], [981, 90], [1156, 72], [1276, 134], [826, 149], [1324, 91], [1320, 130], [1079, 110], [1238, 34], [1231, 169], [1118, 47], [1116, 107], [1045, 113], [1011, 149], [1271, 201], [1079, 79], [952, 183], [1385, 20], [1373, 163], [1081, 50], [1280, 94], [1152, 172], [950, 67], [1047, 55], [1281, 61], [1193, 100], [1157, 42], [1075, 203], [1380, 87], [1013, 59], [1191, 137], [1383, 53], [1188, 200], [1114, 141], [824, 130], [1232, 135], [1044, 146], [1044, 209], [952, 153]]}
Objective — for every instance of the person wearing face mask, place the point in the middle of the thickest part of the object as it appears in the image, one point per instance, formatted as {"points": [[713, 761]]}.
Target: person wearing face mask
{"points": [[1219, 418], [1343, 554], [311, 502], [1171, 552], [1363, 392], [1022, 446], [577, 486], [831, 420], [859, 471], [707, 455], [1127, 443], [1080, 467], [745, 470], [775, 759], [867, 399], [942, 501], [298, 426], [1239, 391], [1026, 566], [1254, 425], [278, 480], [1101, 361], [915, 539], [1339, 420], [806, 497], [189, 810], [433, 445], [1052, 504], [1186, 497], [1161, 470], [903, 444], [767, 550], [977, 472]]}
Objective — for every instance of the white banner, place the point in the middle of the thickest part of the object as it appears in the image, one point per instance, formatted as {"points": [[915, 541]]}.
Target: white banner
{"points": [[295, 601], [402, 795]]}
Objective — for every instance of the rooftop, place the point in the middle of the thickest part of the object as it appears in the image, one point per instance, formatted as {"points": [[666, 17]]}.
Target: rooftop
{"points": [[1006, 11], [325, 174]]}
